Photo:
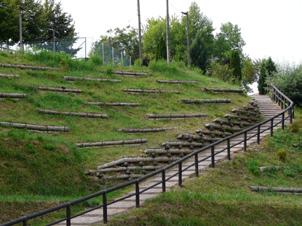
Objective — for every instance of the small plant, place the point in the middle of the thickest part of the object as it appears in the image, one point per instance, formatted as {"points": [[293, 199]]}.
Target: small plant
{"points": [[253, 167], [295, 127], [282, 155]]}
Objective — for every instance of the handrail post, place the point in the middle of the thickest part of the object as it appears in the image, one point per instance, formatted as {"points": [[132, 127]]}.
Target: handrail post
{"points": [[68, 216], [283, 125], [105, 215], [258, 134], [24, 223], [196, 165], [180, 174], [290, 112], [229, 148], [245, 140], [272, 127], [137, 201], [163, 178], [213, 156]]}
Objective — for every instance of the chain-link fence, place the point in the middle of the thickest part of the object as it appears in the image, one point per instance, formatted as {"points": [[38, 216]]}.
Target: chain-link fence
{"points": [[80, 48], [111, 55]]}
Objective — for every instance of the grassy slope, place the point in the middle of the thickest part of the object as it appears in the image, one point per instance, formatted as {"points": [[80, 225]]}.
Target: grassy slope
{"points": [[44, 159], [222, 196]]}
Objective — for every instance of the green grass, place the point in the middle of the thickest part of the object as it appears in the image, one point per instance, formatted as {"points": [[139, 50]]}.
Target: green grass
{"points": [[49, 165], [221, 196]]}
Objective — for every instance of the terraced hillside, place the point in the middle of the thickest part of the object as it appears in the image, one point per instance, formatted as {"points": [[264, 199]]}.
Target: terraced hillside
{"points": [[48, 167]]}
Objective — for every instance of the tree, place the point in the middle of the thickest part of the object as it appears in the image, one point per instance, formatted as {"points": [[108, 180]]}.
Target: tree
{"points": [[235, 64], [227, 40], [39, 22], [9, 15], [267, 71], [201, 35], [155, 39]]}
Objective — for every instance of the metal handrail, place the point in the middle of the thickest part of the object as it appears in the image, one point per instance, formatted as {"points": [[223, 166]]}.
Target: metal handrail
{"points": [[286, 104]]}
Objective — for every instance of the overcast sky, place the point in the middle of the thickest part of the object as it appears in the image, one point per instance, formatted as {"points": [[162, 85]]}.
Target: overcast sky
{"points": [[269, 27]]}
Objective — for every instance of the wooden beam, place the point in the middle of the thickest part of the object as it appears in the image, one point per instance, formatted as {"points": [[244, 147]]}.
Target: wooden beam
{"points": [[12, 95], [112, 143], [70, 78], [78, 114], [59, 89], [156, 91], [115, 104], [34, 127], [207, 101]]}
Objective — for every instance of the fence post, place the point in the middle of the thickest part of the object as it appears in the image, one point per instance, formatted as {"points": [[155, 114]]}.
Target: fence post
{"points": [[163, 178], [105, 216], [24, 223], [272, 127], [213, 156], [283, 120], [245, 140], [229, 149], [258, 134], [180, 174], [196, 165], [290, 112], [68, 216], [137, 201]]}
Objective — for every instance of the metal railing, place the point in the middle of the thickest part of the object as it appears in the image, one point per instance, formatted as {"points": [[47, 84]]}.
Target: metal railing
{"points": [[254, 131]]}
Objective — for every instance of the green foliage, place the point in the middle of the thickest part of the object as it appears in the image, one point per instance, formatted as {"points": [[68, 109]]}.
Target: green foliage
{"points": [[155, 39], [290, 82], [267, 71], [282, 155], [40, 21], [221, 71], [253, 166], [62, 59], [235, 64], [121, 39]]}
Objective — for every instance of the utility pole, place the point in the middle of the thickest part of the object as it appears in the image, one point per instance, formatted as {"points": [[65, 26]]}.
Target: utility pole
{"points": [[21, 26], [139, 32], [188, 38], [168, 33]]}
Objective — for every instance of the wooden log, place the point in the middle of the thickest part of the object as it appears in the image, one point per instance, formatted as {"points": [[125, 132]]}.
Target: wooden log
{"points": [[8, 76], [276, 189], [29, 67], [130, 73], [159, 151], [269, 168], [111, 143], [175, 116], [144, 130], [34, 127], [79, 114], [150, 91], [115, 104], [176, 81], [70, 78], [223, 90], [137, 160], [191, 145], [60, 89], [12, 95], [207, 101], [123, 168]]}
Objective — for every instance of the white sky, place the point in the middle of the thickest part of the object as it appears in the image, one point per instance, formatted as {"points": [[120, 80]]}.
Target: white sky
{"points": [[269, 27]]}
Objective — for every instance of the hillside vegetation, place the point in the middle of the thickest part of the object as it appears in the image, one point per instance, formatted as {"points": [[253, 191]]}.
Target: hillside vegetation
{"points": [[222, 196], [41, 167]]}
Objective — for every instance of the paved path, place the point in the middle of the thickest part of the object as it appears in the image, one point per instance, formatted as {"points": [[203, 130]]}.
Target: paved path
{"points": [[267, 108]]}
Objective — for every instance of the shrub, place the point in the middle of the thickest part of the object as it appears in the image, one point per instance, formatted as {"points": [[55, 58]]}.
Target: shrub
{"points": [[282, 155], [290, 82], [253, 167]]}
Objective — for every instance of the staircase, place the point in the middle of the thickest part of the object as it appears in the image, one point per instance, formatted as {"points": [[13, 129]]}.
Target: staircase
{"points": [[268, 109]]}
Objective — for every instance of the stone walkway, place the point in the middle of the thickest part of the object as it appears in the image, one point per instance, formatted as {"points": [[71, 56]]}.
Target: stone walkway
{"points": [[267, 108]]}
